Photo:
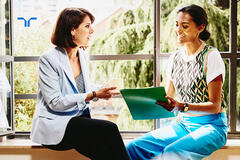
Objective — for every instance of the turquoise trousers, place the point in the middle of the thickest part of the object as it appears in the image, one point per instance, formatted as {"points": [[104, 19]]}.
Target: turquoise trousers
{"points": [[192, 139]]}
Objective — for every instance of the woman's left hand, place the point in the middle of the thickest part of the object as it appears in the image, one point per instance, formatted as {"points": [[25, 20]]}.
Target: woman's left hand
{"points": [[107, 92], [171, 106]]}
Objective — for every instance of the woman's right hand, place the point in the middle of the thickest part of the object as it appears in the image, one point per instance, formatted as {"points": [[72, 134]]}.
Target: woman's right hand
{"points": [[172, 104]]}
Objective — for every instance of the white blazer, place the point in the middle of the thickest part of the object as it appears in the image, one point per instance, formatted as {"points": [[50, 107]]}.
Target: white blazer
{"points": [[58, 99]]}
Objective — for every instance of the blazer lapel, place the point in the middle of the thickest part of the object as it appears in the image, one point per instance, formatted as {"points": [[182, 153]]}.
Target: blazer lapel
{"points": [[83, 58], [67, 68]]}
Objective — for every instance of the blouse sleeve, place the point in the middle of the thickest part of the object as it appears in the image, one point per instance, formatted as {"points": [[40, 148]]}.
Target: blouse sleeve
{"points": [[215, 66]]}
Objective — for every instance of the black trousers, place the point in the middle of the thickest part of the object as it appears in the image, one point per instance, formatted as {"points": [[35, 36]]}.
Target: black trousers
{"points": [[96, 139]]}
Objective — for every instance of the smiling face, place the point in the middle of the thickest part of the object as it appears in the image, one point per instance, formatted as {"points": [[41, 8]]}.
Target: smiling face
{"points": [[82, 34], [186, 29]]}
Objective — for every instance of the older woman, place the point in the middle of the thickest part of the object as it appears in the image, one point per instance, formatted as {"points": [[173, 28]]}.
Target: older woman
{"points": [[62, 118]]}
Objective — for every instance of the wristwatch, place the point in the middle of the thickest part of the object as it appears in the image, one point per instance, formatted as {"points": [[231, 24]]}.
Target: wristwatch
{"points": [[185, 107], [95, 98]]}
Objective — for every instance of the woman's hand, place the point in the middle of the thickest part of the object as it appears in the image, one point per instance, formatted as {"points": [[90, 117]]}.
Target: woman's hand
{"points": [[107, 92], [171, 106]]}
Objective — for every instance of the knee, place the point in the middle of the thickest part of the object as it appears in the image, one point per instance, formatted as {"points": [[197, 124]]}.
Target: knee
{"points": [[111, 127]]}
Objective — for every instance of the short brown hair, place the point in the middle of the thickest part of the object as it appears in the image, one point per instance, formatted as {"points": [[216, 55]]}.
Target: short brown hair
{"points": [[69, 18]]}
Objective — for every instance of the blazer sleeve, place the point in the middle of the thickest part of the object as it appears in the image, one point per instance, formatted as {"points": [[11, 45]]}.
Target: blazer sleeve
{"points": [[50, 88]]}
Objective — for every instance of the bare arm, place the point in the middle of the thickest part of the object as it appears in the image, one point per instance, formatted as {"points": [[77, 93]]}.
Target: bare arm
{"points": [[214, 103], [170, 89]]}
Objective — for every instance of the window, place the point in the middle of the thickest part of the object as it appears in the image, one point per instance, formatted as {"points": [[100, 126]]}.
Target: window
{"points": [[121, 53], [132, 42]]}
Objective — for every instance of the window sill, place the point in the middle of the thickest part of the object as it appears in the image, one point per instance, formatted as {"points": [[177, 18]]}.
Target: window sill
{"points": [[27, 143]]}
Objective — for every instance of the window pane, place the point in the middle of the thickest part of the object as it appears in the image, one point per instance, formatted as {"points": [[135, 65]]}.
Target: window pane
{"points": [[32, 39], [123, 74], [218, 17], [125, 27], [134, 73], [121, 27], [25, 77], [24, 110], [238, 95], [116, 110], [238, 27]]}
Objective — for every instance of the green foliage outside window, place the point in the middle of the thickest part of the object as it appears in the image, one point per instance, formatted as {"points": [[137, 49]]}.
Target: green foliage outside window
{"points": [[238, 27], [1, 29], [130, 32], [218, 24], [24, 113], [27, 42]]}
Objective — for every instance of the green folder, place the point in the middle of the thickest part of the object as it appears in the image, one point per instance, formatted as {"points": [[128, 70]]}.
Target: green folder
{"points": [[142, 103]]}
